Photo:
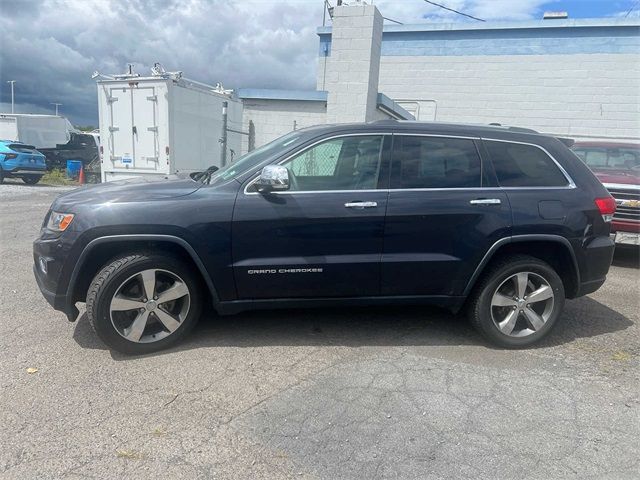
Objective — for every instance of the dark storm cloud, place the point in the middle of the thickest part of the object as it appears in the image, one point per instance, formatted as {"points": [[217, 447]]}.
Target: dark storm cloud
{"points": [[51, 47]]}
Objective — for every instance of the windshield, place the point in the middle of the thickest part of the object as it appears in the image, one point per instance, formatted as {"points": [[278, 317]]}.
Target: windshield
{"points": [[253, 158], [607, 158]]}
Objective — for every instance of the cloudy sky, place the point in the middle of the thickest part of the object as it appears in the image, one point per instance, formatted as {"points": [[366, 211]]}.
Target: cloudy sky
{"points": [[51, 47]]}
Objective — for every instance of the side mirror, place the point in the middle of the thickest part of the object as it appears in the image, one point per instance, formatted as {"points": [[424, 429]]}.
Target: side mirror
{"points": [[273, 178]]}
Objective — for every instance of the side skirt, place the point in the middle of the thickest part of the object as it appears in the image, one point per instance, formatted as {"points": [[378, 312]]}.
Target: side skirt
{"points": [[236, 306]]}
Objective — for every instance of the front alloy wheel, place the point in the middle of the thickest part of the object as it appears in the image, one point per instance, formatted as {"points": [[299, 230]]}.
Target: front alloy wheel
{"points": [[143, 303], [150, 305]]}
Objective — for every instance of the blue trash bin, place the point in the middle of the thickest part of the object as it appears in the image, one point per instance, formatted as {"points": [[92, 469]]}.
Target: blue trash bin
{"points": [[73, 169]]}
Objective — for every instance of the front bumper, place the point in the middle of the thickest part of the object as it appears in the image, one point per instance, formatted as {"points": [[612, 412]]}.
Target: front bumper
{"points": [[50, 279], [57, 301], [626, 238]]}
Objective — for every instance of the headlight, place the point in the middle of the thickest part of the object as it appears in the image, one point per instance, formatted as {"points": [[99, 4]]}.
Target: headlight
{"points": [[58, 222]]}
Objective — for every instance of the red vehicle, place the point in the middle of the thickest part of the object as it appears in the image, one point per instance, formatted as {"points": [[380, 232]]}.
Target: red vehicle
{"points": [[617, 166]]}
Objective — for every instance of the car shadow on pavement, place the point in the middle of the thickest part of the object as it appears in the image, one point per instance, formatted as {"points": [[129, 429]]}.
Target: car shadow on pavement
{"points": [[365, 326]]}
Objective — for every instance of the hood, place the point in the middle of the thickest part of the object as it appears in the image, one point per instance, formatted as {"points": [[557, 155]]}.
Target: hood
{"points": [[140, 189], [620, 176]]}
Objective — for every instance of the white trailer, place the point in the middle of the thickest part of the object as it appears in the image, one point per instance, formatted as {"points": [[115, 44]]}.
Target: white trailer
{"points": [[163, 124], [41, 131]]}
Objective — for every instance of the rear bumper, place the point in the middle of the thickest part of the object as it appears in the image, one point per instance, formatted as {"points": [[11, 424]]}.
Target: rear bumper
{"points": [[594, 260], [17, 171], [626, 238]]}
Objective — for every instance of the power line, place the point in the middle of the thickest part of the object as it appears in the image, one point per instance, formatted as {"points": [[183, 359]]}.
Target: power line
{"points": [[394, 21], [456, 11], [632, 7]]}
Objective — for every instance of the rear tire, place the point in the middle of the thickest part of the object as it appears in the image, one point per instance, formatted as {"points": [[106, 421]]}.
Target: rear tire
{"points": [[517, 302], [1, 176], [31, 179], [125, 303]]}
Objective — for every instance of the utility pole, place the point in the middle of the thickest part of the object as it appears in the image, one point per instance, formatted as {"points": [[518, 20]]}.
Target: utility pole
{"points": [[57, 105], [12, 98]]}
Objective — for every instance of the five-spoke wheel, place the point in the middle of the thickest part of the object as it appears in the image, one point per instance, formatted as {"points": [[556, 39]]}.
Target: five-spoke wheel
{"points": [[144, 302], [522, 304], [517, 301], [150, 305]]}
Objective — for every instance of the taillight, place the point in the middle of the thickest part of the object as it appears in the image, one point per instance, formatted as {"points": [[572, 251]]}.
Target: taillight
{"points": [[607, 207], [9, 156]]}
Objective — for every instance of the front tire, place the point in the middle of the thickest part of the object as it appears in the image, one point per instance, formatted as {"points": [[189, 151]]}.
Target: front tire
{"points": [[143, 303], [517, 302], [31, 179]]}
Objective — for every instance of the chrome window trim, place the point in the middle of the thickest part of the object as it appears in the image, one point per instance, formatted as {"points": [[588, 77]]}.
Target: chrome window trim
{"points": [[567, 177], [570, 183]]}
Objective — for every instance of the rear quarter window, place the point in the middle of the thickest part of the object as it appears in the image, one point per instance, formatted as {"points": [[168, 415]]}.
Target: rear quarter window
{"points": [[520, 165]]}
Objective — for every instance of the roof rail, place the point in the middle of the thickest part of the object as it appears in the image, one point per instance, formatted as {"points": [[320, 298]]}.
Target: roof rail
{"points": [[514, 129]]}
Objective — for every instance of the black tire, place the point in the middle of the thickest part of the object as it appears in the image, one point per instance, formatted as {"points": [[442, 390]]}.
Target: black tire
{"points": [[1, 176], [107, 282], [480, 310], [31, 179]]}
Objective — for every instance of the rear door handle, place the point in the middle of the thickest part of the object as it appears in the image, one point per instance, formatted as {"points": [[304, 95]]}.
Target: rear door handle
{"points": [[361, 204], [485, 201]]}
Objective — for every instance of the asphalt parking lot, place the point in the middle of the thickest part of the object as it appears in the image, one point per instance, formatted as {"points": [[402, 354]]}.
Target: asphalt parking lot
{"points": [[356, 393]]}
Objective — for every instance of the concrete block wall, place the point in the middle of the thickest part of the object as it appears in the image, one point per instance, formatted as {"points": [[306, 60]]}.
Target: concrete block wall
{"points": [[274, 118], [579, 78], [352, 71], [582, 95]]}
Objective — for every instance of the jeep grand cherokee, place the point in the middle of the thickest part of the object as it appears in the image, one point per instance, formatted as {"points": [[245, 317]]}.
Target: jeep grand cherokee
{"points": [[502, 222]]}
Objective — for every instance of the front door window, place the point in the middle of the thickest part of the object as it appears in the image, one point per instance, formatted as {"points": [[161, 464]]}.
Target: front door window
{"points": [[345, 163]]}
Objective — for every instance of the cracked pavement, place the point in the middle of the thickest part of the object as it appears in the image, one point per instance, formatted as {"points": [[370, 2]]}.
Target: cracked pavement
{"points": [[336, 394]]}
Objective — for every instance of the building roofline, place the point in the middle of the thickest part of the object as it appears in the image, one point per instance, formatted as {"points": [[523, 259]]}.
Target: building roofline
{"points": [[280, 94], [530, 24]]}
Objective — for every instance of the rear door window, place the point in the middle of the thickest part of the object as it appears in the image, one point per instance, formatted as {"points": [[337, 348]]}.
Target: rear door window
{"points": [[435, 162], [520, 165]]}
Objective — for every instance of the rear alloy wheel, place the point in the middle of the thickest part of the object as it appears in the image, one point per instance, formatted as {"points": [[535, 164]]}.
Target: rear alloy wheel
{"points": [[517, 302], [31, 179], [143, 303]]}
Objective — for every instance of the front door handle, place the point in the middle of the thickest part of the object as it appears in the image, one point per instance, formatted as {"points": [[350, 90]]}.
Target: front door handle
{"points": [[361, 204], [485, 201]]}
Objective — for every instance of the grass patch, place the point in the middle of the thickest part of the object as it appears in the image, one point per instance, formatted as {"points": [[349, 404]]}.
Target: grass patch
{"points": [[57, 177]]}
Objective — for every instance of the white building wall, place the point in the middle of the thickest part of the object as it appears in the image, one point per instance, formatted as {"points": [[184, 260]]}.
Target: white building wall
{"points": [[274, 118], [579, 95]]}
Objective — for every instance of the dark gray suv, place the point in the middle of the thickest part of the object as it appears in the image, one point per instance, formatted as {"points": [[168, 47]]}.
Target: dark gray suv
{"points": [[505, 223]]}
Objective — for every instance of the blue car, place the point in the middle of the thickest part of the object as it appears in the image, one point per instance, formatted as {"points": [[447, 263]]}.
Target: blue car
{"points": [[18, 160]]}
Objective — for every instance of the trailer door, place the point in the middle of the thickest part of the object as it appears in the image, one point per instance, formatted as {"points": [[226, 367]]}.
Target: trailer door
{"points": [[120, 128], [145, 128], [133, 131]]}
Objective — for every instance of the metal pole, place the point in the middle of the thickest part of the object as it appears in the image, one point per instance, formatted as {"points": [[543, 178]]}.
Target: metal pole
{"points": [[223, 141], [12, 98], [57, 105], [252, 135]]}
